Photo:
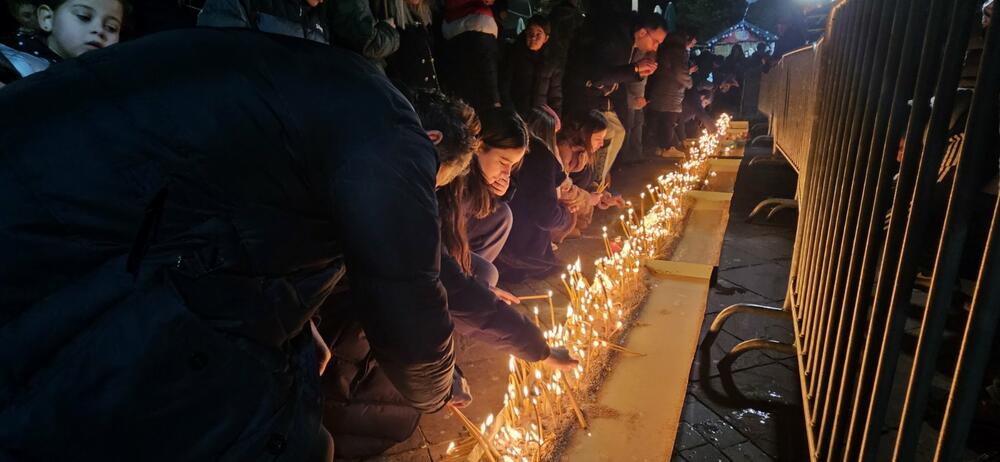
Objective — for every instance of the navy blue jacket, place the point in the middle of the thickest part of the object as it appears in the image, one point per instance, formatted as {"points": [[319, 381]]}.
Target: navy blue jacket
{"points": [[175, 210], [537, 211]]}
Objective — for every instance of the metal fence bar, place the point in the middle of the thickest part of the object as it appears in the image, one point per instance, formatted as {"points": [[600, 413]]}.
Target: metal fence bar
{"points": [[901, 69], [915, 230], [985, 310], [837, 112], [878, 100], [832, 133], [862, 120]]}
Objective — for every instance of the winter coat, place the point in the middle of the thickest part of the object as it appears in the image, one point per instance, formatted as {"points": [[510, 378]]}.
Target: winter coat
{"points": [[293, 18], [599, 62], [161, 256], [672, 78], [413, 65], [537, 211], [471, 52], [347, 23], [566, 18], [529, 79], [364, 412], [471, 69]]}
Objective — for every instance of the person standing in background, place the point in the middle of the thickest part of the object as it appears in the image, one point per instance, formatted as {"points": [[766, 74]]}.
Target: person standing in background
{"points": [[600, 61]]}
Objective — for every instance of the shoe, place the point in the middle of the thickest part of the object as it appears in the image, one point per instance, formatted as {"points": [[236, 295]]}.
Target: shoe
{"points": [[672, 153]]}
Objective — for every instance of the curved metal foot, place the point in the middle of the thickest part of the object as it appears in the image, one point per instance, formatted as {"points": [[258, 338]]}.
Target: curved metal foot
{"points": [[794, 205], [772, 201], [746, 346], [768, 160], [767, 138], [747, 308]]}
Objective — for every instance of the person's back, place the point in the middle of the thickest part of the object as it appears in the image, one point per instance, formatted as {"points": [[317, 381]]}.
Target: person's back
{"points": [[175, 209]]}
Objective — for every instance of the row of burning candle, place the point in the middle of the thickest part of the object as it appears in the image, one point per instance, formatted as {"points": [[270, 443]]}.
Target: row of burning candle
{"points": [[537, 397]]}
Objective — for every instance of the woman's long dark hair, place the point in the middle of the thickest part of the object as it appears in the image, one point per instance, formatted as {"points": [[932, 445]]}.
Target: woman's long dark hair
{"points": [[502, 129], [453, 222]]}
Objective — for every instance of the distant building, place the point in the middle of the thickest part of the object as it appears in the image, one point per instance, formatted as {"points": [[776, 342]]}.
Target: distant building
{"points": [[743, 33]]}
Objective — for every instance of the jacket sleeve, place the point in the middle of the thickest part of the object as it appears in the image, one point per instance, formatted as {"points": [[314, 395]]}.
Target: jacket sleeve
{"points": [[351, 22], [553, 96], [610, 66], [394, 280], [506, 77], [479, 314], [223, 13]]}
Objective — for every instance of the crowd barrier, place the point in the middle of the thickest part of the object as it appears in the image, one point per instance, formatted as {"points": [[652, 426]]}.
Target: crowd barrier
{"points": [[881, 86]]}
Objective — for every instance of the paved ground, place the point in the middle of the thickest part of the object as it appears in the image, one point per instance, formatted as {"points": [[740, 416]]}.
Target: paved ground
{"points": [[767, 425], [766, 422]]}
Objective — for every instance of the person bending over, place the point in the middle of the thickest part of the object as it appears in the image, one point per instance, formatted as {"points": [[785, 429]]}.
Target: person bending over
{"points": [[490, 186], [162, 254]]}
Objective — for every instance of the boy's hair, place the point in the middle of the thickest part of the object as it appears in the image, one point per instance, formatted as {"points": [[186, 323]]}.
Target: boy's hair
{"points": [[456, 121], [460, 129], [540, 21]]}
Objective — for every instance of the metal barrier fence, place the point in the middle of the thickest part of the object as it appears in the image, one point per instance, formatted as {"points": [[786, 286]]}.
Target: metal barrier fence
{"points": [[788, 98], [886, 78]]}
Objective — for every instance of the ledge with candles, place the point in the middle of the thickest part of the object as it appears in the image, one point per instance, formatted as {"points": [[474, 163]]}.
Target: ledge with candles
{"points": [[542, 407]]}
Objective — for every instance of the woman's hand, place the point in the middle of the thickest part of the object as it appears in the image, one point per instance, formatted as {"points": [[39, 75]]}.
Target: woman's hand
{"points": [[461, 394], [607, 201], [499, 187], [594, 199], [507, 297], [559, 358]]}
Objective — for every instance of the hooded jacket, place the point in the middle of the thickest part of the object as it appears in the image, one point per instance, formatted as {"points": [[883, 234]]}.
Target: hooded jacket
{"points": [[162, 251], [530, 79], [672, 78]]}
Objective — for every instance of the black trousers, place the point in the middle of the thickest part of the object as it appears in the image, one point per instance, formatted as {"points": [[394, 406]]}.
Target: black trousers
{"points": [[665, 129]]}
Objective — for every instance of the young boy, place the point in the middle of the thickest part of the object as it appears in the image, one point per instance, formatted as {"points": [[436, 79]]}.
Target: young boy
{"points": [[69, 29]]}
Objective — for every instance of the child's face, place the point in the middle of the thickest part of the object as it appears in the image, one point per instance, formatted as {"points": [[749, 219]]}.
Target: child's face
{"points": [[79, 26], [26, 16]]}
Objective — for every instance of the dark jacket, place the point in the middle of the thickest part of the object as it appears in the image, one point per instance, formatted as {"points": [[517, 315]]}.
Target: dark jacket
{"points": [[672, 78], [346, 23], [162, 250], [471, 69], [599, 62], [537, 211], [530, 78], [566, 18], [413, 65], [364, 412]]}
